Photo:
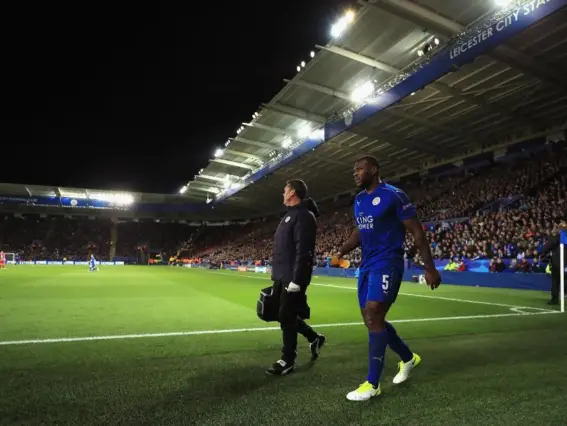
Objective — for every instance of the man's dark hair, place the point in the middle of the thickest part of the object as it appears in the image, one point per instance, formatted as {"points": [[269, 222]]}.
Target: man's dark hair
{"points": [[370, 159], [299, 187]]}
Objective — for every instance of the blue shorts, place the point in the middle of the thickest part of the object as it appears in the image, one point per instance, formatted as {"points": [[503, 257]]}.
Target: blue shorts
{"points": [[381, 285]]}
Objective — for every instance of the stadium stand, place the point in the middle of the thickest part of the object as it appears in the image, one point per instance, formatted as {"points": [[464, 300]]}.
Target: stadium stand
{"points": [[42, 237], [502, 210]]}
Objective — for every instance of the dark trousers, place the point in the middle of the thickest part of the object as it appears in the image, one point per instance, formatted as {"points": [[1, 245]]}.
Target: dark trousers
{"points": [[555, 282], [292, 310]]}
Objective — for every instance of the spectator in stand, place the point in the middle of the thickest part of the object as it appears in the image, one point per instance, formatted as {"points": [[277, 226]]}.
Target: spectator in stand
{"points": [[522, 265], [451, 266]]}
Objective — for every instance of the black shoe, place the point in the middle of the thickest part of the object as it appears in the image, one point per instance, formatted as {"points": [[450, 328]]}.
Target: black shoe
{"points": [[316, 346], [280, 368]]}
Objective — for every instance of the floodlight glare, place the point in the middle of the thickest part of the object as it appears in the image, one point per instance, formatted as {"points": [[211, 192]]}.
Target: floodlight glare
{"points": [[123, 199], [304, 132], [503, 3], [318, 134], [342, 24], [362, 92]]}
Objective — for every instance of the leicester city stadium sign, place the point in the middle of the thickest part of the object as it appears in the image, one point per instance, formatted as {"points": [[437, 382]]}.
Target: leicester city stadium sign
{"points": [[460, 52], [511, 21], [455, 54]]}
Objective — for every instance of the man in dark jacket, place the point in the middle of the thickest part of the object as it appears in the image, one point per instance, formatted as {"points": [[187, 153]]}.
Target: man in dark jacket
{"points": [[292, 267], [552, 246]]}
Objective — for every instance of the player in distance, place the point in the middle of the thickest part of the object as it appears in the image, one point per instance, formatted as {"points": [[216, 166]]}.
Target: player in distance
{"points": [[383, 214], [92, 264], [2, 260]]}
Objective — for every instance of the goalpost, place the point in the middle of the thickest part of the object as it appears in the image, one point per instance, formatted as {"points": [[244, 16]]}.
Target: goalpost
{"points": [[563, 241]]}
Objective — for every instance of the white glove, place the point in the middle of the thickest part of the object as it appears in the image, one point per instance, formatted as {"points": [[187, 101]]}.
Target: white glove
{"points": [[293, 288]]}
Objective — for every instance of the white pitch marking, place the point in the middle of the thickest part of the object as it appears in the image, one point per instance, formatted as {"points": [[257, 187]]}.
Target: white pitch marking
{"points": [[243, 330], [449, 299]]}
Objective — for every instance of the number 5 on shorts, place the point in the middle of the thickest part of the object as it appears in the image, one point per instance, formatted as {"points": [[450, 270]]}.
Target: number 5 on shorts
{"points": [[385, 282]]}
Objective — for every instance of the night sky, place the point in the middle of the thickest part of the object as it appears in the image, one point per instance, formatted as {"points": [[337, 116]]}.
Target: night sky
{"points": [[138, 98]]}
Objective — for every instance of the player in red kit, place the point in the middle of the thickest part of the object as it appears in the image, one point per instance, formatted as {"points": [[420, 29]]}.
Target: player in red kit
{"points": [[2, 260]]}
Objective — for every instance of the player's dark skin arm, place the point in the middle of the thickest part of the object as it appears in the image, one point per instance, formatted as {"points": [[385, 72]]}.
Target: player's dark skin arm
{"points": [[350, 244], [415, 227]]}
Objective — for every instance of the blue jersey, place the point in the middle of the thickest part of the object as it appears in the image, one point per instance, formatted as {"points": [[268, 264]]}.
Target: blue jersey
{"points": [[379, 217]]}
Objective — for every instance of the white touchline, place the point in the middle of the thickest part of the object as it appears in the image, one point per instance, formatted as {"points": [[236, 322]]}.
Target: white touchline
{"points": [[243, 330], [449, 299]]}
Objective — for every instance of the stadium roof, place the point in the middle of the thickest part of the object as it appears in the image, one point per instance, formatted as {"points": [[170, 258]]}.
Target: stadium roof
{"points": [[513, 91], [123, 198]]}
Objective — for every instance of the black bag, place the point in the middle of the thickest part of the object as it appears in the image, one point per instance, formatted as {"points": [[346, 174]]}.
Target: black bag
{"points": [[268, 305]]}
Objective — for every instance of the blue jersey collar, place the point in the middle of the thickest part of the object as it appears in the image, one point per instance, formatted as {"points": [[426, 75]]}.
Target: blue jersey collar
{"points": [[380, 185]]}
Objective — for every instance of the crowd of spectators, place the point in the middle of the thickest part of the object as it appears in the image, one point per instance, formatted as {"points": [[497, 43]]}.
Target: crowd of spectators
{"points": [[38, 237], [59, 237], [504, 210], [517, 232], [463, 195]]}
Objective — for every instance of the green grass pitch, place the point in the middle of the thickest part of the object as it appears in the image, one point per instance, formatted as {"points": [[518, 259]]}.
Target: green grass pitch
{"points": [[161, 345]]}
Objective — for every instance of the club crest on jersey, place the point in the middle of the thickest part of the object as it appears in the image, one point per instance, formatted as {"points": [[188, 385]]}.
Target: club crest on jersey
{"points": [[376, 201], [287, 219]]}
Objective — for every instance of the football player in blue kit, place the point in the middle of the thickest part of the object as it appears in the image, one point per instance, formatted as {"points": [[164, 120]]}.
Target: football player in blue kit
{"points": [[92, 264], [383, 214]]}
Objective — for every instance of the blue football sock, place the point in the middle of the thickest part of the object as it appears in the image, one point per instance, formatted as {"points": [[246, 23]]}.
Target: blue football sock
{"points": [[397, 344], [377, 351]]}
